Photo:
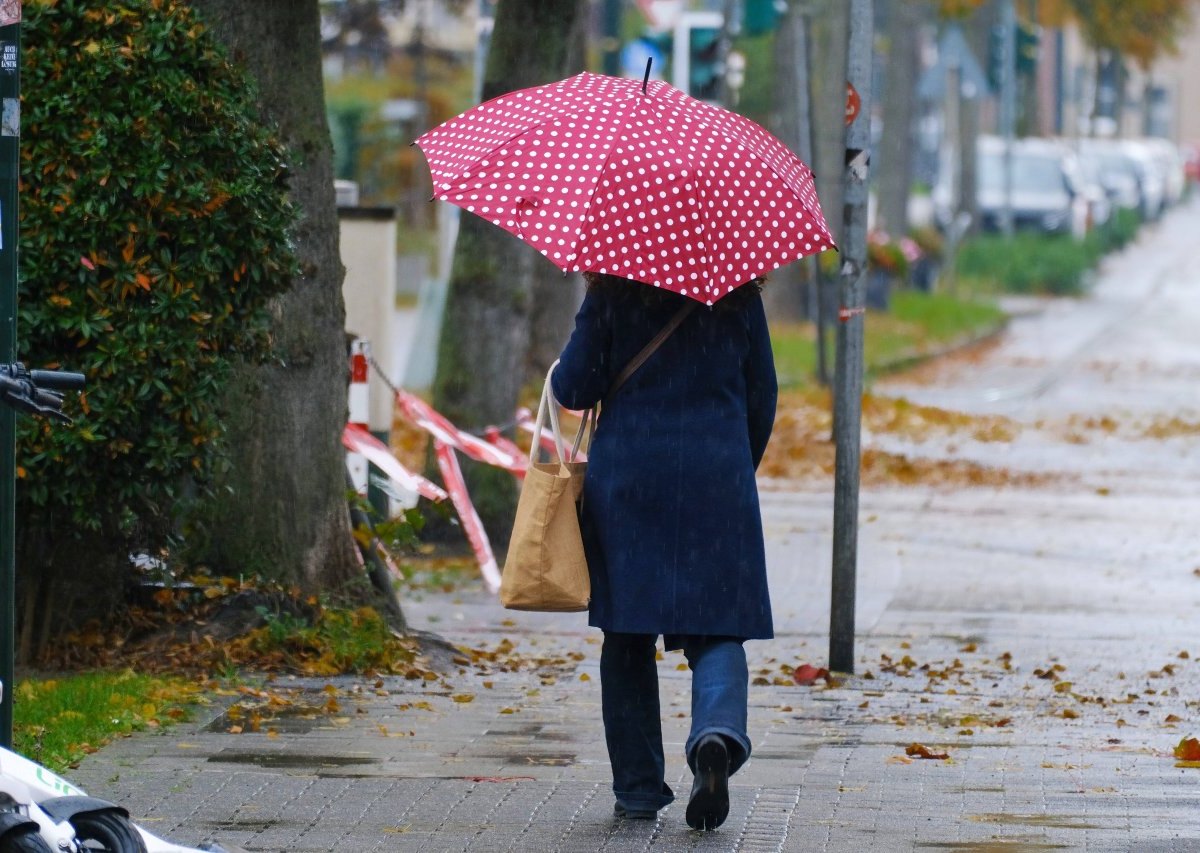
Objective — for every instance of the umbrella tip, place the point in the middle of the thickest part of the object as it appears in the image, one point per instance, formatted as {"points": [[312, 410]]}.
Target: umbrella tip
{"points": [[646, 79]]}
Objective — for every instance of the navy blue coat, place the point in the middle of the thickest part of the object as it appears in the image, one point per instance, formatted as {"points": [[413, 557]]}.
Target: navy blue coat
{"points": [[670, 515]]}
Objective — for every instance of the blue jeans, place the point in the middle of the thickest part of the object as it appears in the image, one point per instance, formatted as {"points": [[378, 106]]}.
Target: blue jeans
{"points": [[632, 716]]}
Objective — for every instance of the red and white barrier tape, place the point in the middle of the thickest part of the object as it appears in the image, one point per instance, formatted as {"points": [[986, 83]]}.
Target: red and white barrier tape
{"points": [[472, 526], [493, 449], [525, 421], [494, 437], [437, 425], [359, 405], [356, 439]]}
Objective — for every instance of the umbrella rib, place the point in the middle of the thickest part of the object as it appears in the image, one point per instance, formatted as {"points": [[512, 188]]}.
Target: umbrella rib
{"points": [[565, 115], [600, 172], [478, 162], [588, 206], [807, 208]]}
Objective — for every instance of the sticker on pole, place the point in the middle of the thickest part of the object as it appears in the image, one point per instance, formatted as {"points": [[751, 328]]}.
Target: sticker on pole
{"points": [[10, 117], [10, 12], [853, 103]]}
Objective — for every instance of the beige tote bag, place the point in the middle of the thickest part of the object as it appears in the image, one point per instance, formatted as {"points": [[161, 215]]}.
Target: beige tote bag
{"points": [[546, 568]]}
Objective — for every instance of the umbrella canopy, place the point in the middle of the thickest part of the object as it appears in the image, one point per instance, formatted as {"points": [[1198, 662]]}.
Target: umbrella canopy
{"points": [[637, 180]]}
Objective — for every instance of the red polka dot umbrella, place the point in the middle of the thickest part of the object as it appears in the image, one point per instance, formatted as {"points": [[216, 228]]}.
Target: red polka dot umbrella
{"points": [[637, 180]]}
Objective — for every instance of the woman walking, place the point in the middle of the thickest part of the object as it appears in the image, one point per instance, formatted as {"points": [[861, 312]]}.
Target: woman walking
{"points": [[671, 522]]}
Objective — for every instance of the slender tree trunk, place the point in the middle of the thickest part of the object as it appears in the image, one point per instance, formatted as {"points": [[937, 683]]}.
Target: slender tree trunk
{"points": [[486, 331], [283, 510], [787, 296], [556, 297], [976, 29], [830, 29], [831, 25], [899, 109]]}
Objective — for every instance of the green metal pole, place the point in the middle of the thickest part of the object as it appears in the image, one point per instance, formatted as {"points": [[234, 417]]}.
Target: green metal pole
{"points": [[10, 143], [611, 44]]}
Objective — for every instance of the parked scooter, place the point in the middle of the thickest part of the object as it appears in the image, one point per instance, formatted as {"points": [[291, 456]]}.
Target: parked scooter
{"points": [[40, 812]]}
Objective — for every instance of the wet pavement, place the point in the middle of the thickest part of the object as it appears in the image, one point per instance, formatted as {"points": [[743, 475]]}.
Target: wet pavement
{"points": [[1042, 636]]}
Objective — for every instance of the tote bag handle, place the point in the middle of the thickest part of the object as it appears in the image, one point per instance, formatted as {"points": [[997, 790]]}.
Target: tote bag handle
{"points": [[549, 404]]}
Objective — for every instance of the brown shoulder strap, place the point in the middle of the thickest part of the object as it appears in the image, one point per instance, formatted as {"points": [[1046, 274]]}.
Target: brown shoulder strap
{"points": [[648, 350]]}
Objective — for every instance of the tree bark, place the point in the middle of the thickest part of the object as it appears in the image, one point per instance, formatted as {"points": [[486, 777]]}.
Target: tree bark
{"points": [[556, 297], [831, 26], [283, 512], [486, 332], [787, 296], [899, 109], [976, 29]]}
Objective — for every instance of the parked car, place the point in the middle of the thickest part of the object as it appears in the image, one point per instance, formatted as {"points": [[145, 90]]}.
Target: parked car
{"points": [[1170, 165], [1152, 181], [1115, 170], [1191, 162], [1047, 192], [1100, 204]]}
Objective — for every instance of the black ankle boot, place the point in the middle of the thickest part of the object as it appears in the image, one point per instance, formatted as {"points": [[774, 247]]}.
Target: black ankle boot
{"points": [[709, 803]]}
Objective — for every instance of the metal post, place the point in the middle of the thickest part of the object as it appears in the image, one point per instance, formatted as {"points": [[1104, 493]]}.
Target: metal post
{"points": [[1008, 108], [10, 92], [611, 42], [848, 379], [952, 113]]}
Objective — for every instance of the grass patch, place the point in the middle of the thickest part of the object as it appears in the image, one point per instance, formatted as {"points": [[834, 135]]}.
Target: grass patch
{"points": [[328, 642], [917, 325], [57, 721]]}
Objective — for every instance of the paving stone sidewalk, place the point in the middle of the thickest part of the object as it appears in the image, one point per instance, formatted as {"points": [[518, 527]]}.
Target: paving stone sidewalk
{"points": [[961, 618], [1042, 636]]}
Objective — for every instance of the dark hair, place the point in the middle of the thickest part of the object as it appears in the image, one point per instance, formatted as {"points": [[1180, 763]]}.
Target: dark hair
{"points": [[650, 294]]}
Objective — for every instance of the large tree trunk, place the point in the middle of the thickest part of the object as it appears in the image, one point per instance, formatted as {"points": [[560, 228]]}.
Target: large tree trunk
{"points": [[486, 331], [556, 297], [899, 109], [283, 511]]}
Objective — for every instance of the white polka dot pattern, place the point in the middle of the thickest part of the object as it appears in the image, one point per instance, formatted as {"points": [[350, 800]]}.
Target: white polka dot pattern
{"points": [[658, 187]]}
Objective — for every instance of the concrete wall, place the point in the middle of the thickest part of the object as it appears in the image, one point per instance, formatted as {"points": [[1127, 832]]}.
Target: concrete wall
{"points": [[368, 249], [1181, 75]]}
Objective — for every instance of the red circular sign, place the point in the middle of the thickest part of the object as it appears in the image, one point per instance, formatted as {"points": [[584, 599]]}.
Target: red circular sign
{"points": [[853, 103]]}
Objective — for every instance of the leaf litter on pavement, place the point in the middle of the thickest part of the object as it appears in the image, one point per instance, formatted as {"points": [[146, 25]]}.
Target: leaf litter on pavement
{"points": [[801, 446], [970, 693], [258, 649], [973, 694]]}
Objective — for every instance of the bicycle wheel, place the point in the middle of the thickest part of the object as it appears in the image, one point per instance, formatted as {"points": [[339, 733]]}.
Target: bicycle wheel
{"points": [[24, 840], [107, 832]]}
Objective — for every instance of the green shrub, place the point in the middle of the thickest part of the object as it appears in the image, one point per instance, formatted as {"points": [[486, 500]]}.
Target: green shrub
{"points": [[1121, 229], [1029, 263], [154, 231]]}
